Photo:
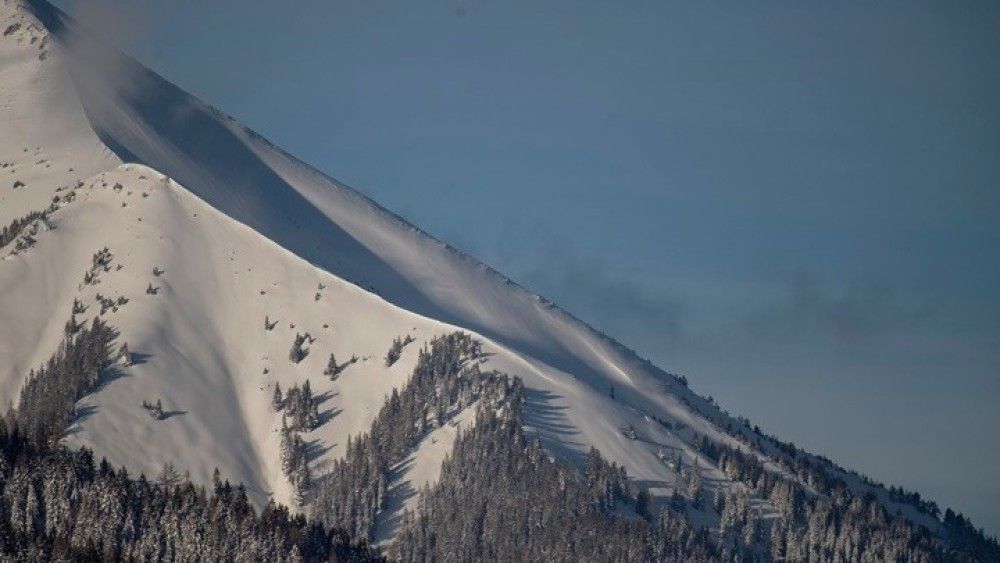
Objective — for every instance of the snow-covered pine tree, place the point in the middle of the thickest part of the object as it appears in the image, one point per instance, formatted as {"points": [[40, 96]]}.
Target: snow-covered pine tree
{"points": [[49, 395], [332, 369], [124, 356], [278, 399], [71, 326], [169, 477], [299, 351], [396, 349], [60, 506]]}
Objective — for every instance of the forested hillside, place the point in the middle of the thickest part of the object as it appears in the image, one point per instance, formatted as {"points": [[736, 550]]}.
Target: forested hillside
{"points": [[499, 496]]}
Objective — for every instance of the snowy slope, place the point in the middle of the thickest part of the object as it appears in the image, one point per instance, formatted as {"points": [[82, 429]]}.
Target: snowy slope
{"points": [[203, 347], [202, 335], [242, 231]]}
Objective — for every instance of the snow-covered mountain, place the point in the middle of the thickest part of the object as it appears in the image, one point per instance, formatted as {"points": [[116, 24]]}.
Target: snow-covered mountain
{"points": [[222, 249]]}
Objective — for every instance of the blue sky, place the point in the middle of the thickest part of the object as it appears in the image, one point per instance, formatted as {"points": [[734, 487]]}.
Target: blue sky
{"points": [[794, 204]]}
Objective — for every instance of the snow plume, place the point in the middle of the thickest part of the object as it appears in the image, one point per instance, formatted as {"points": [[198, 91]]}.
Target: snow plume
{"points": [[121, 23], [107, 79], [612, 301], [852, 314]]}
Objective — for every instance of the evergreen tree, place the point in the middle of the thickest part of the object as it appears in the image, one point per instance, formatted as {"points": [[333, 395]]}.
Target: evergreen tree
{"points": [[332, 369], [642, 504], [299, 350], [11, 231], [277, 400], [124, 356], [169, 477], [396, 349], [48, 398]]}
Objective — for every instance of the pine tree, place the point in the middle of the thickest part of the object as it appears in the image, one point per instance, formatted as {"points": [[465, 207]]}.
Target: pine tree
{"points": [[332, 369], [642, 504], [693, 486], [124, 356], [396, 349], [169, 477], [59, 506], [299, 351], [71, 326], [277, 400]]}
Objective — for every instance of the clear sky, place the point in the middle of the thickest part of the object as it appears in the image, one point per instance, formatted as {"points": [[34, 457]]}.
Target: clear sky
{"points": [[797, 205]]}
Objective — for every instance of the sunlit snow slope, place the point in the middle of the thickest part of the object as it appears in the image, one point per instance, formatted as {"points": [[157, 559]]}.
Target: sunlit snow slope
{"points": [[242, 230]]}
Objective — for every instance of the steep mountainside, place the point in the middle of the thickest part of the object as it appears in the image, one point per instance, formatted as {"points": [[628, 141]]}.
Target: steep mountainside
{"points": [[232, 270], [141, 118]]}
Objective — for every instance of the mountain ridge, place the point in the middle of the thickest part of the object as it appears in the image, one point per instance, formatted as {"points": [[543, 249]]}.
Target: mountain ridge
{"points": [[158, 151]]}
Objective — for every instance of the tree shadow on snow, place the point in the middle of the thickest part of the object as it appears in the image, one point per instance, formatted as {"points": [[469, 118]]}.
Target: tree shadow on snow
{"points": [[328, 415], [80, 414], [397, 495], [548, 421], [315, 449], [109, 375], [138, 358]]}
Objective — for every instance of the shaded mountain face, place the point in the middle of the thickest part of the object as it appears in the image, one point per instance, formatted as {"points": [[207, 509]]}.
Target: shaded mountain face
{"points": [[266, 317]]}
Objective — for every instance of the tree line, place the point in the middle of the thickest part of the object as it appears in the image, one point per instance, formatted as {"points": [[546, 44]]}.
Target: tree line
{"points": [[445, 380], [58, 505], [500, 495], [47, 404]]}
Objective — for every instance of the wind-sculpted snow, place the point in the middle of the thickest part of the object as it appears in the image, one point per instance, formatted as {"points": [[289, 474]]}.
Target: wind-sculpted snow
{"points": [[143, 118]]}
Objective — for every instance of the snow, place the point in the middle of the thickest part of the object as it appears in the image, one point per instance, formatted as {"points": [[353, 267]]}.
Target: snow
{"points": [[241, 231], [419, 470]]}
